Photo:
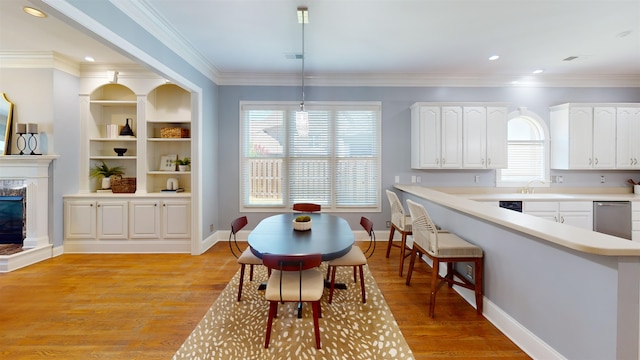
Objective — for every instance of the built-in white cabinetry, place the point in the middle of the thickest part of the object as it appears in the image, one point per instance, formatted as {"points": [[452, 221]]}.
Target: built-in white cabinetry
{"points": [[151, 219], [112, 219], [595, 136], [176, 219], [576, 213], [458, 136], [127, 224], [628, 130], [83, 213]]}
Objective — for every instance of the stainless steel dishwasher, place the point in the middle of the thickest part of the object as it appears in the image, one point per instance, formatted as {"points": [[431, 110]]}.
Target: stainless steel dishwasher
{"points": [[613, 218]]}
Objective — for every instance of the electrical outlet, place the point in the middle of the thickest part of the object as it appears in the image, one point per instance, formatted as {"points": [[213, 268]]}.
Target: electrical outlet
{"points": [[418, 179], [470, 272], [477, 179], [211, 227], [388, 224], [413, 179], [397, 179], [603, 179]]}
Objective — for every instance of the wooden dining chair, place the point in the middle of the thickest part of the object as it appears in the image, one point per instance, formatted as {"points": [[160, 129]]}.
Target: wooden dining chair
{"points": [[355, 258], [307, 207], [294, 278], [443, 247], [245, 257], [402, 223]]}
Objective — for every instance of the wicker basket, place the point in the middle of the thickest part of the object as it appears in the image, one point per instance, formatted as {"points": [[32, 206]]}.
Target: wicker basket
{"points": [[121, 184], [175, 132]]}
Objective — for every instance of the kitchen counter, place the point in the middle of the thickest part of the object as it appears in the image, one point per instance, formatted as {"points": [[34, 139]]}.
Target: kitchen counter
{"points": [[571, 237], [542, 279], [550, 197]]}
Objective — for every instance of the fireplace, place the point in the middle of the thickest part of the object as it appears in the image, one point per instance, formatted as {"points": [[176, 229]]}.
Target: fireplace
{"points": [[24, 205]]}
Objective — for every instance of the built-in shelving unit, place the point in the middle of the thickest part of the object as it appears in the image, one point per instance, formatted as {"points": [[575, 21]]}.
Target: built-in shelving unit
{"points": [[148, 220]]}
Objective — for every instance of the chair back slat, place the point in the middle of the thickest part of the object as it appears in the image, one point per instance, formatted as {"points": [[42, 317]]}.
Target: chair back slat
{"points": [[425, 233], [397, 211], [236, 225], [307, 207], [367, 225], [291, 262]]}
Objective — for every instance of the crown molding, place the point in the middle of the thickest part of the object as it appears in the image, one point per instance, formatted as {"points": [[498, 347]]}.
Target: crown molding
{"points": [[38, 60], [51, 59], [423, 80], [148, 18]]}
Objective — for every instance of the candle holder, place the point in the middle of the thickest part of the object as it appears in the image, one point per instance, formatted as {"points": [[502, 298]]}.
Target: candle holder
{"points": [[32, 142], [21, 143]]}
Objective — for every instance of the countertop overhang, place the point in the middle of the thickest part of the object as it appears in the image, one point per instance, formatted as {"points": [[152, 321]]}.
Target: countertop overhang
{"points": [[568, 236]]}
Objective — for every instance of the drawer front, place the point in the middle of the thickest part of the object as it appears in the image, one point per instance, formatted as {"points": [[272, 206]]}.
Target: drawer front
{"points": [[576, 205], [539, 206]]}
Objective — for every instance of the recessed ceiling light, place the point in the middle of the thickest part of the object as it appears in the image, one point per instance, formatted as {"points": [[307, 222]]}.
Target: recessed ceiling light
{"points": [[89, 59], [34, 12], [494, 57], [538, 71]]}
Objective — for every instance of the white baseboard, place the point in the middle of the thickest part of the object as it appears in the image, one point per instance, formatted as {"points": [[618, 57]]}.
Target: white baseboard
{"points": [[24, 258], [146, 246], [521, 336]]}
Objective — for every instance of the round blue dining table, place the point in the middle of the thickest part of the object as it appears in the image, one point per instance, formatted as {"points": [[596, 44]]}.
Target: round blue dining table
{"points": [[330, 236]]}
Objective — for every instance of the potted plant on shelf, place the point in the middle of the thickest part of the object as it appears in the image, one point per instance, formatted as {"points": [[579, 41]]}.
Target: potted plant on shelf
{"points": [[105, 173], [183, 164]]}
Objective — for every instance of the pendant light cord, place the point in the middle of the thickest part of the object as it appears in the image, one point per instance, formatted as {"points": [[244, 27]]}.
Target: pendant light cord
{"points": [[303, 56]]}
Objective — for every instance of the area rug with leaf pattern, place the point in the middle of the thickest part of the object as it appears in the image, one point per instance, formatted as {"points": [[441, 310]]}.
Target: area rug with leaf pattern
{"points": [[349, 329]]}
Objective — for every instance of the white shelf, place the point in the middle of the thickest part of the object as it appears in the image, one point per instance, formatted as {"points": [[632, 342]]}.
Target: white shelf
{"points": [[132, 139], [115, 102], [186, 121], [169, 139], [159, 172], [114, 157]]}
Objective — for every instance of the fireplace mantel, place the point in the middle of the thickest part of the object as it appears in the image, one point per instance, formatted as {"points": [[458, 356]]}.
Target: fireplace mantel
{"points": [[34, 170]]}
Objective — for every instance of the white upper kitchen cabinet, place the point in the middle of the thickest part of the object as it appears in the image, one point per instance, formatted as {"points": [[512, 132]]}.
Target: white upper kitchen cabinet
{"points": [[458, 136], [436, 134], [628, 130], [484, 137], [583, 137]]}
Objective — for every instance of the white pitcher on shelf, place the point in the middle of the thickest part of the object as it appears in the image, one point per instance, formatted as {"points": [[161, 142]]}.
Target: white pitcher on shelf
{"points": [[172, 184]]}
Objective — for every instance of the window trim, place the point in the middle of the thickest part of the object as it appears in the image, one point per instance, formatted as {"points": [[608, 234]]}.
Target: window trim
{"points": [[524, 113], [294, 106]]}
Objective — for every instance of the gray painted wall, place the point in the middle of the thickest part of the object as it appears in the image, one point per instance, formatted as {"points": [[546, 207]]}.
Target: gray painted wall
{"points": [[396, 124]]}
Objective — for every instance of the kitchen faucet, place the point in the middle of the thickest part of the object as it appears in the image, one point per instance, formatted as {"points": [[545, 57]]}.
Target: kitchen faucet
{"points": [[527, 189]]}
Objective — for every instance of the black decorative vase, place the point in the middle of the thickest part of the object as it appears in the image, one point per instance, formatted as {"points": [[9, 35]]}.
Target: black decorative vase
{"points": [[126, 130]]}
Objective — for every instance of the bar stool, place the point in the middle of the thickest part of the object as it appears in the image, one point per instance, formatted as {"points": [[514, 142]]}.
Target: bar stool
{"points": [[447, 248], [402, 223]]}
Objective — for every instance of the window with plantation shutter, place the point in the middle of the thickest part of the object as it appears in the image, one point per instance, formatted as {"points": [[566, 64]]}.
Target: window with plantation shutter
{"points": [[335, 162], [528, 154]]}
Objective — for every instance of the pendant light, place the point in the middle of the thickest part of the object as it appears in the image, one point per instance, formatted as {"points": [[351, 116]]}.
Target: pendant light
{"points": [[302, 116]]}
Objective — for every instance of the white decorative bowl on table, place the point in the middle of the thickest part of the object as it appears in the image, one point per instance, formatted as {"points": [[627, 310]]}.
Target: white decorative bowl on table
{"points": [[302, 225]]}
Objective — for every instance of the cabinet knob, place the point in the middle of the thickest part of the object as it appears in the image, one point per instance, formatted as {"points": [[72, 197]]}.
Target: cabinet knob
{"points": [[590, 161], [489, 161], [562, 219], [596, 161], [482, 161]]}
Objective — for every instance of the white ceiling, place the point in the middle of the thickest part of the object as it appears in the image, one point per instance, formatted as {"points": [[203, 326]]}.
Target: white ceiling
{"points": [[358, 39]]}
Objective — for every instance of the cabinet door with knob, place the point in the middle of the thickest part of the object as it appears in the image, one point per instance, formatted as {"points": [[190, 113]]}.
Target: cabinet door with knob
{"points": [[112, 216], [144, 221], [176, 219], [80, 219], [628, 133]]}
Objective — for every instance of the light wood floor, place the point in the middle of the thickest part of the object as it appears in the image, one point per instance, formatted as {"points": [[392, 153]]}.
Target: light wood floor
{"points": [[144, 307]]}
